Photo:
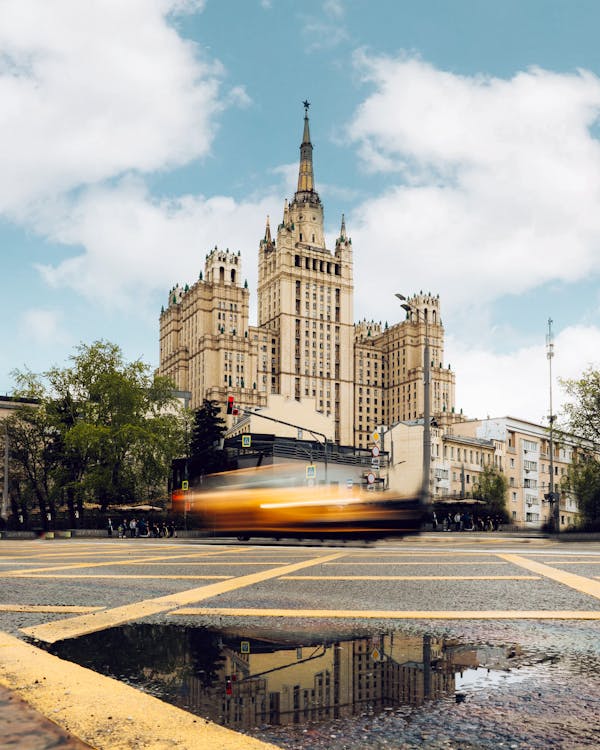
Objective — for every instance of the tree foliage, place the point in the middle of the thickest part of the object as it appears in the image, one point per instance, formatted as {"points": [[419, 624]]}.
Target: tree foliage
{"points": [[583, 480], [206, 454], [103, 430], [582, 410], [492, 488], [582, 418]]}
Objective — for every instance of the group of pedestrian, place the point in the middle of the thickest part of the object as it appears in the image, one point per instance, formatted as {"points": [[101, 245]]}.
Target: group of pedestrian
{"points": [[134, 528], [464, 521]]}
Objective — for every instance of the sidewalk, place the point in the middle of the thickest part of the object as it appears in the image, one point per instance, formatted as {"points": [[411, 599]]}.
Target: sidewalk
{"points": [[24, 728]]}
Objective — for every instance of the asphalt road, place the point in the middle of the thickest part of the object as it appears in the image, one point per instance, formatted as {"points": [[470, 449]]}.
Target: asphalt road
{"points": [[540, 594]]}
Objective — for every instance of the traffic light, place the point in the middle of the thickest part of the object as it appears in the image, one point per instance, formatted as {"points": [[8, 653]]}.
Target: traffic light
{"points": [[230, 405]]}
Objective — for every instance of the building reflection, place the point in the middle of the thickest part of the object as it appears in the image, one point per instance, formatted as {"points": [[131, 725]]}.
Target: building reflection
{"points": [[244, 682], [281, 685]]}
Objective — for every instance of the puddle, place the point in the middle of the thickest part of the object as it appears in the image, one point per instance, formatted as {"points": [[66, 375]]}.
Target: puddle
{"points": [[247, 681]]}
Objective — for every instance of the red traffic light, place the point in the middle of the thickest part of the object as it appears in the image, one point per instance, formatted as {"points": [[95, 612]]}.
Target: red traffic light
{"points": [[230, 405]]}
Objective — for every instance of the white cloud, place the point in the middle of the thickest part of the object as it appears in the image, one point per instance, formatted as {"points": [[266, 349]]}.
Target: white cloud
{"points": [[518, 383], [498, 182], [43, 328], [325, 29], [93, 90], [135, 244]]}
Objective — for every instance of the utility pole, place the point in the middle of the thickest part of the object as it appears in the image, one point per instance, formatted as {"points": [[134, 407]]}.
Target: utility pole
{"points": [[553, 497]]}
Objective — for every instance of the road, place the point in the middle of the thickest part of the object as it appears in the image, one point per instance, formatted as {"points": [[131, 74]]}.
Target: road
{"points": [[538, 593]]}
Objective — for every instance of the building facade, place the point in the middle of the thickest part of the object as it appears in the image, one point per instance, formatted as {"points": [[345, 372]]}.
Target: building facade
{"points": [[306, 345]]}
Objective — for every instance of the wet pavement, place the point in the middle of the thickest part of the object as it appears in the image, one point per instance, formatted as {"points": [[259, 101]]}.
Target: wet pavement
{"points": [[393, 689], [349, 680]]}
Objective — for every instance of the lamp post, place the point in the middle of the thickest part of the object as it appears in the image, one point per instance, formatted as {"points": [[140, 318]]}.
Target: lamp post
{"points": [[426, 400]]}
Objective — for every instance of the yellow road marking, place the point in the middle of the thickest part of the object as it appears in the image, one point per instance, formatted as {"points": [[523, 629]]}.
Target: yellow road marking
{"points": [[410, 578], [392, 614], [66, 608], [113, 563], [116, 576], [76, 626], [572, 562], [414, 553], [229, 564], [574, 581], [106, 713], [441, 562]]}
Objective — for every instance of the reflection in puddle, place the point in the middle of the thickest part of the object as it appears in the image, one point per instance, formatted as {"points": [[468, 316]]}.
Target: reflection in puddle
{"points": [[245, 681]]}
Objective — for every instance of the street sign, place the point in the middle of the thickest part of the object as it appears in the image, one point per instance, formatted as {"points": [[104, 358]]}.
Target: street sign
{"points": [[370, 477], [311, 471], [246, 441], [245, 647], [375, 437], [375, 451], [185, 485], [376, 655], [375, 463], [349, 483]]}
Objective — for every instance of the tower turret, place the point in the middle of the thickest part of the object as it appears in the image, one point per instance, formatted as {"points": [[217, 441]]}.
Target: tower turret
{"points": [[223, 267]]}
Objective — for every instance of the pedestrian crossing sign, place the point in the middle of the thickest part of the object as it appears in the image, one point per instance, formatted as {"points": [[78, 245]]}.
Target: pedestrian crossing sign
{"points": [[185, 485], [311, 471], [246, 441]]}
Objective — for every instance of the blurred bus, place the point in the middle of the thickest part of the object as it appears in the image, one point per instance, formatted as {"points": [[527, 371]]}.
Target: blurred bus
{"points": [[271, 502]]}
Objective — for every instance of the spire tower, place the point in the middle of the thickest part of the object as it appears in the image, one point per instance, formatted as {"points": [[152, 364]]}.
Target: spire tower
{"points": [[306, 179]]}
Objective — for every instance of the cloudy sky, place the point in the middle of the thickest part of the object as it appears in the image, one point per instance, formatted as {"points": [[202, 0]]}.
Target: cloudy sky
{"points": [[459, 138]]}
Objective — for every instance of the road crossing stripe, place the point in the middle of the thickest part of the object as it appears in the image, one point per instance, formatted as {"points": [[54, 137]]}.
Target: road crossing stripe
{"points": [[113, 563], [117, 576], [420, 563], [64, 608], [579, 583], [391, 614], [410, 578], [75, 626]]}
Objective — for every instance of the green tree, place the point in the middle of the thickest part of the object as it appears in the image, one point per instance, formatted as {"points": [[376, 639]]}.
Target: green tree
{"points": [[583, 481], [33, 461], [208, 428], [104, 430], [582, 419], [582, 409], [492, 489]]}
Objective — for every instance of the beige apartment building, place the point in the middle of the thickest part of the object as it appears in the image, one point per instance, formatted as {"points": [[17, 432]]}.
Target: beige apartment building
{"points": [[306, 346], [525, 449]]}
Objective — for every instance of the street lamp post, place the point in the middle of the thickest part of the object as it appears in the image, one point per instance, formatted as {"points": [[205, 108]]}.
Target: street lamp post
{"points": [[426, 400]]}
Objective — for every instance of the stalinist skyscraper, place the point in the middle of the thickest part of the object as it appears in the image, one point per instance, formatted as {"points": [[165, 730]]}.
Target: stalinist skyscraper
{"points": [[305, 298], [306, 345]]}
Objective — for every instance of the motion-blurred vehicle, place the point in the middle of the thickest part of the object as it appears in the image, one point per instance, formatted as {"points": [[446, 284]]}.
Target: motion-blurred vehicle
{"points": [[251, 503]]}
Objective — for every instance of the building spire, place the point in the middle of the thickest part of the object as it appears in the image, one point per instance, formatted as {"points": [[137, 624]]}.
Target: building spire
{"points": [[343, 235], [306, 182], [268, 243]]}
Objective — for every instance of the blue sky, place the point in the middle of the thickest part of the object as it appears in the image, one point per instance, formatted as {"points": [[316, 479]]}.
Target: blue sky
{"points": [[460, 139]]}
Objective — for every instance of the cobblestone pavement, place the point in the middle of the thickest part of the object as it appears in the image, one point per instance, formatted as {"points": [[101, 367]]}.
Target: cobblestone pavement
{"points": [[23, 728], [549, 699]]}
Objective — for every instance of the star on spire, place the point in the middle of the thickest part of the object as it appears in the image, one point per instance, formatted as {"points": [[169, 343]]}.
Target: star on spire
{"points": [[306, 105]]}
